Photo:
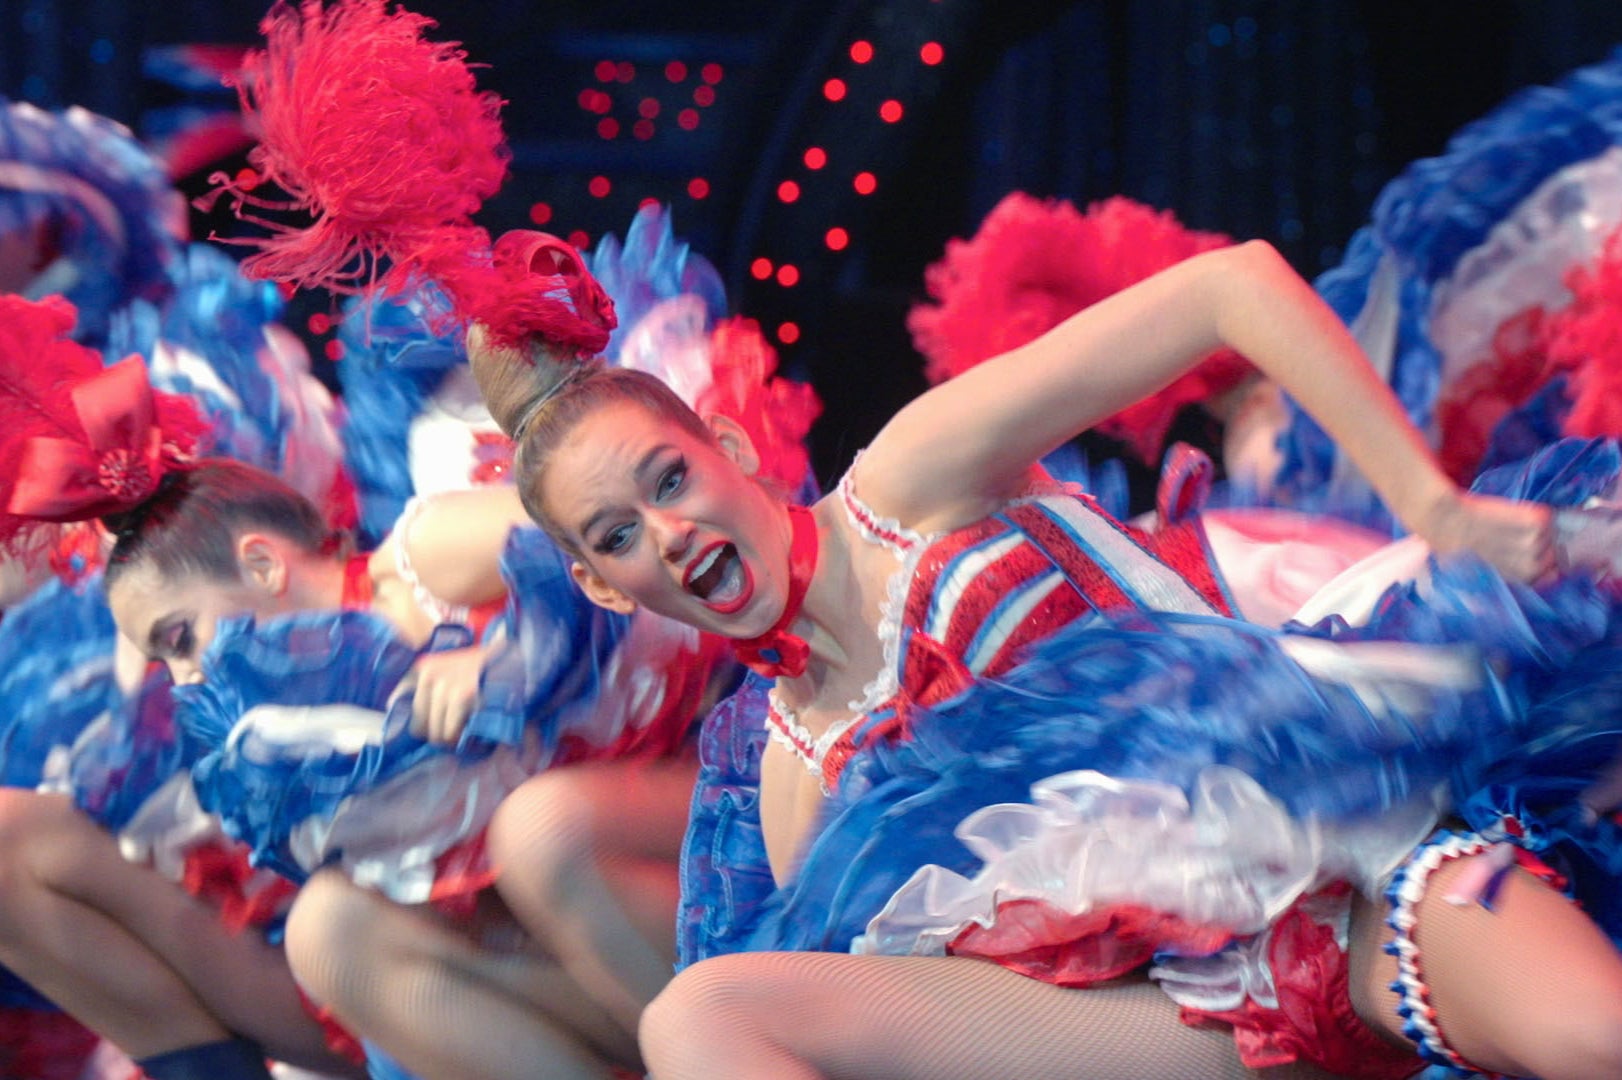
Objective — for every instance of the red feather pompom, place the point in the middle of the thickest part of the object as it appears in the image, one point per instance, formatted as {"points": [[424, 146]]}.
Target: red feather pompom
{"points": [[1034, 263], [776, 413], [378, 133], [1585, 339]]}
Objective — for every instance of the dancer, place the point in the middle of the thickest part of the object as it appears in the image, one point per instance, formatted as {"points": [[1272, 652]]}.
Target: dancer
{"points": [[659, 513]]}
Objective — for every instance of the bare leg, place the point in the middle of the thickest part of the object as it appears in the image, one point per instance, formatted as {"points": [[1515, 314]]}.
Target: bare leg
{"points": [[129, 953], [440, 1002], [810, 1016], [587, 859], [1531, 988]]}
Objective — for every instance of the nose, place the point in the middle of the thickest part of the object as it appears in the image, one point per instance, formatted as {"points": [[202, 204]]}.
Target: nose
{"points": [[674, 535], [184, 672]]}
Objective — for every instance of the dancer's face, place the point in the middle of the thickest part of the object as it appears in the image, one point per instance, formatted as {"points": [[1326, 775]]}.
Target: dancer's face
{"points": [[173, 620], [664, 519]]}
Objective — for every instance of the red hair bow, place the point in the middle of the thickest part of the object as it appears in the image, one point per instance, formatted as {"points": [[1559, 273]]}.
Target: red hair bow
{"points": [[115, 467]]}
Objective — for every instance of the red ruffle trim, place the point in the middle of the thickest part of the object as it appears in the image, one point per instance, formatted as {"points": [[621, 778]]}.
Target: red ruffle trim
{"points": [[218, 873], [1314, 1020], [1043, 942]]}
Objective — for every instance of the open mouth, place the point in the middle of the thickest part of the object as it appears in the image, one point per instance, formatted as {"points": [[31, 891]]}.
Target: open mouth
{"points": [[719, 578]]}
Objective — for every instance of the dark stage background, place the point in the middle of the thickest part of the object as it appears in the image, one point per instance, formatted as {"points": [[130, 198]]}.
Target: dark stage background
{"points": [[898, 124]]}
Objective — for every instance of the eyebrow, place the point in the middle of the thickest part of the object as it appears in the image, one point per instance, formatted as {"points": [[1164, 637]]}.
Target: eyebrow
{"points": [[641, 469]]}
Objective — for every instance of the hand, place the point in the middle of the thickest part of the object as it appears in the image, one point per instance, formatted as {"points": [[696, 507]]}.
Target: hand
{"points": [[446, 686], [1515, 538]]}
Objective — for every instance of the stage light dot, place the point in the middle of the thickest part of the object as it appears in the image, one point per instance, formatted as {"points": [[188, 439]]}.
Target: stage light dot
{"points": [[624, 71], [675, 71], [788, 275], [788, 333], [608, 127], [319, 323], [704, 95], [698, 187], [687, 119], [932, 53], [890, 111], [816, 157], [710, 73], [540, 213], [648, 108], [334, 350], [580, 239], [861, 51], [599, 186], [643, 129], [865, 183], [761, 268], [247, 179], [837, 239], [604, 71], [788, 191], [834, 89]]}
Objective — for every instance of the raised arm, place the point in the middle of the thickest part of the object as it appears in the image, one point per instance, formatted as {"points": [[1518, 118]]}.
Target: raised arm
{"points": [[961, 449]]}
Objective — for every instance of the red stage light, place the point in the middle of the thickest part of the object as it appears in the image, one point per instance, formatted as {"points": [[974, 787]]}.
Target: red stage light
{"points": [[890, 111], [834, 89], [816, 157], [932, 53], [624, 71], [864, 183], [788, 191], [861, 51], [788, 333], [710, 73], [704, 95], [608, 127], [605, 71], [788, 275], [838, 239], [319, 323], [761, 268], [335, 350], [675, 71], [540, 213], [698, 187], [580, 239], [599, 186], [648, 108], [687, 119], [643, 129]]}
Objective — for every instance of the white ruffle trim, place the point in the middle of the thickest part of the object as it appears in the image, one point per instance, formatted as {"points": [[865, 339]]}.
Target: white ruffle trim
{"points": [[1231, 857]]}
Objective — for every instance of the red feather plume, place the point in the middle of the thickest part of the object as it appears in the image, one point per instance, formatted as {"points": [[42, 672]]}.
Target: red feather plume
{"points": [[1035, 262]]}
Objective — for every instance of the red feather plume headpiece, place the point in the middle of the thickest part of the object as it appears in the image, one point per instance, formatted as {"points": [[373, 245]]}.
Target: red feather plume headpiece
{"points": [[383, 138]]}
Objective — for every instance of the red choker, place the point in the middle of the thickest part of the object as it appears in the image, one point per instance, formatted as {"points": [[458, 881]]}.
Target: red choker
{"points": [[778, 652]]}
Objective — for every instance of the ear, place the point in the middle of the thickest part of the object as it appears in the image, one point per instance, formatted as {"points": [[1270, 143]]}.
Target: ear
{"points": [[263, 562], [599, 591], [734, 442]]}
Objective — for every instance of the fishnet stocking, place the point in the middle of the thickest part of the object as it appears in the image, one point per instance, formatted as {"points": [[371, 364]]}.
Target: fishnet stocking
{"points": [[799, 1016]]}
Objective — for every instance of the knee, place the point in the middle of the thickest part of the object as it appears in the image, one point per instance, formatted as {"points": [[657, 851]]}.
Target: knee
{"points": [[546, 830], [30, 824], [701, 1003], [328, 929]]}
